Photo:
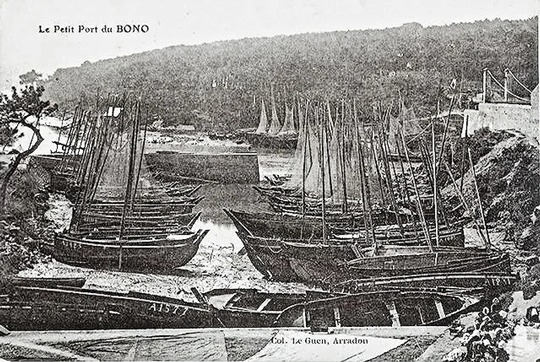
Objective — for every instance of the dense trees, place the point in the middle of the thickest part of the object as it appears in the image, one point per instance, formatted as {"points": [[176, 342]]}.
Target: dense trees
{"points": [[221, 79]]}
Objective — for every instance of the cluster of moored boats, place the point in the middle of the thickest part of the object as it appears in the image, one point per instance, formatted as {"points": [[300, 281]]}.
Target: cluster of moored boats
{"points": [[121, 219], [358, 218], [396, 233]]}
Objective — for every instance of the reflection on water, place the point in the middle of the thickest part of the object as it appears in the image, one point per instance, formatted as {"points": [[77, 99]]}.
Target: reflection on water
{"points": [[274, 162], [220, 235], [218, 197], [49, 131], [235, 196]]}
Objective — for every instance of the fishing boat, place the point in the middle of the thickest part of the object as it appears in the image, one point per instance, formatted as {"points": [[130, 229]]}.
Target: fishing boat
{"points": [[377, 309], [268, 258], [163, 254], [342, 226], [47, 282], [27, 307], [484, 282], [394, 261], [91, 221], [273, 134], [249, 308], [280, 259]]}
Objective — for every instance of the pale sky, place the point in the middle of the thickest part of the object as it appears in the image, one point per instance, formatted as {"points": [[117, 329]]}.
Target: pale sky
{"points": [[175, 22]]}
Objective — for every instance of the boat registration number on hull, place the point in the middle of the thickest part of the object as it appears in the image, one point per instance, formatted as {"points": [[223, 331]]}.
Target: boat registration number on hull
{"points": [[166, 308]]}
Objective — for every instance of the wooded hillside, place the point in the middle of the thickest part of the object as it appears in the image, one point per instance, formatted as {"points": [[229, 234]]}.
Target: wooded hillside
{"points": [[220, 84]]}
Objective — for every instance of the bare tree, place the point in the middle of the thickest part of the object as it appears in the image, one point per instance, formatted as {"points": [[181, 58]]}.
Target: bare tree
{"points": [[24, 109]]}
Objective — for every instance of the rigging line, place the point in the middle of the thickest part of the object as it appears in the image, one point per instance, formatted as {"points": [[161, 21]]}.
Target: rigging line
{"points": [[419, 133], [495, 79], [516, 96], [517, 80]]}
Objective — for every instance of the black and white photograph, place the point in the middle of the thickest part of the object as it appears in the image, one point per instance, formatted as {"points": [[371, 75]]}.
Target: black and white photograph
{"points": [[269, 180]]}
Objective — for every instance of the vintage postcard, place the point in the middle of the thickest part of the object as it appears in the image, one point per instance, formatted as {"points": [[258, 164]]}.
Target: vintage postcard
{"points": [[245, 180]]}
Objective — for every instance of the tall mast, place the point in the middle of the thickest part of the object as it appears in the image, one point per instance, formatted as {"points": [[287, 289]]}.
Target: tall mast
{"points": [[129, 183], [341, 154], [321, 145], [488, 242], [434, 150], [364, 184], [418, 202]]}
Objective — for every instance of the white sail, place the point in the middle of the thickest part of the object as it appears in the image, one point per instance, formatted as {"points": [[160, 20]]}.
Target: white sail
{"points": [[263, 121], [275, 125], [409, 121], [288, 124]]}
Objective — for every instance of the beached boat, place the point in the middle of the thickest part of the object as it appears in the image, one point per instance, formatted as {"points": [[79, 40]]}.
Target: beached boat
{"points": [[177, 218], [484, 282], [344, 227], [46, 282], [284, 260], [391, 260], [160, 254], [388, 308], [122, 219], [268, 258], [249, 308], [64, 308]]}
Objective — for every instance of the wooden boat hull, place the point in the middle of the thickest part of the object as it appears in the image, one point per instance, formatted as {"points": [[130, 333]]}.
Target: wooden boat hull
{"points": [[97, 221], [348, 229], [284, 260], [249, 308], [141, 210], [77, 282], [268, 259], [328, 271], [288, 225], [274, 142], [40, 308], [161, 255], [490, 283], [138, 226], [377, 309]]}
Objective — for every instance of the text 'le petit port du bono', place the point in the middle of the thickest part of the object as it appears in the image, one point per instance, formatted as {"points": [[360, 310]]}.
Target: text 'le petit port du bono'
{"points": [[70, 29]]}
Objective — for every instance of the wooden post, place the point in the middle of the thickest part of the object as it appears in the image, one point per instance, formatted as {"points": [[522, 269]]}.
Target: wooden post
{"points": [[326, 144], [506, 85], [389, 183], [408, 197], [484, 85], [129, 184], [443, 143], [306, 139]]}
